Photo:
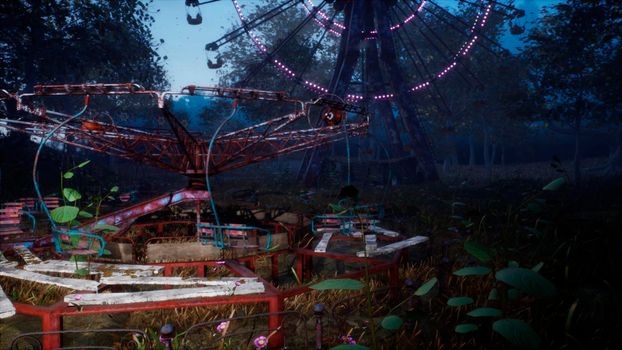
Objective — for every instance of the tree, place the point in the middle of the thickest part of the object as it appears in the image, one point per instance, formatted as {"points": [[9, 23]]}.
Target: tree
{"points": [[568, 51], [67, 41]]}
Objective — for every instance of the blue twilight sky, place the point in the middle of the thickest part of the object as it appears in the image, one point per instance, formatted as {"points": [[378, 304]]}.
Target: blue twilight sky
{"points": [[184, 44]]}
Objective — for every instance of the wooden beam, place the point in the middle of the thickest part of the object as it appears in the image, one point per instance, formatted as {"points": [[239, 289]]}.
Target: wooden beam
{"points": [[6, 307], [163, 295], [6, 263], [383, 231], [321, 246], [26, 255], [390, 248], [173, 281], [71, 283], [106, 270]]}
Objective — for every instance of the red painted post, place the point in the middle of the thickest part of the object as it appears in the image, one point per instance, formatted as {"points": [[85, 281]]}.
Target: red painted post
{"points": [[308, 265], [275, 307], [51, 322], [394, 279], [200, 270], [299, 266], [274, 260], [250, 264]]}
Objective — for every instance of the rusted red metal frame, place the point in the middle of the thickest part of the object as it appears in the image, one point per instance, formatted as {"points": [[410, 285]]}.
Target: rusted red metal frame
{"points": [[51, 316], [181, 151]]}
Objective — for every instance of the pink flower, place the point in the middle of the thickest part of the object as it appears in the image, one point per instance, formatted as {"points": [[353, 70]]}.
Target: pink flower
{"points": [[346, 339], [222, 326], [261, 342], [77, 297], [220, 262]]}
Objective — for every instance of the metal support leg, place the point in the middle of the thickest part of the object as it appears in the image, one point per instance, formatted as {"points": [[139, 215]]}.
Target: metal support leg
{"points": [[275, 306], [274, 260], [299, 267], [49, 323]]}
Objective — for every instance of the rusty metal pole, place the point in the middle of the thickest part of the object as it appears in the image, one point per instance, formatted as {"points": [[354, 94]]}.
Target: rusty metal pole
{"points": [[274, 261], [299, 267], [51, 322], [275, 308], [318, 311]]}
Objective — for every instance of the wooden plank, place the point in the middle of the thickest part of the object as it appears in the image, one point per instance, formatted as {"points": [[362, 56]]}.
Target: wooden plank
{"points": [[63, 266], [27, 255], [6, 307], [4, 262], [383, 231], [173, 281], [162, 295], [70, 283], [321, 246], [389, 248], [327, 229]]}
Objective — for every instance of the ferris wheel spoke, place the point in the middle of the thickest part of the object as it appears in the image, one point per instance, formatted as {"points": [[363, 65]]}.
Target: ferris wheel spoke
{"points": [[249, 25], [493, 9], [299, 79], [430, 77], [437, 91], [463, 33], [444, 44], [272, 54], [349, 49], [459, 20]]}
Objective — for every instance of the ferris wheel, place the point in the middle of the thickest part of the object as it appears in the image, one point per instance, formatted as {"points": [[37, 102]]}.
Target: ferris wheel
{"points": [[387, 52]]}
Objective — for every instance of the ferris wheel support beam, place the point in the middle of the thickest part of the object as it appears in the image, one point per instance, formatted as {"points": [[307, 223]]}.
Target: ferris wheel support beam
{"points": [[437, 96], [376, 83], [443, 54], [349, 54], [349, 49], [388, 56]]}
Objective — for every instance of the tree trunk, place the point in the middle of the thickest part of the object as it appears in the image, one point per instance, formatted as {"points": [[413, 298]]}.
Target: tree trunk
{"points": [[503, 155], [577, 150], [471, 151]]}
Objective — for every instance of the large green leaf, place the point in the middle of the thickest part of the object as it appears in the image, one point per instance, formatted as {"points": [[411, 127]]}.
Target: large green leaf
{"points": [[538, 267], [460, 301], [64, 214], [349, 347], [68, 175], [391, 322], [479, 251], [85, 214], [518, 333], [472, 271], [555, 185], [426, 287], [339, 283], [485, 312], [71, 194], [494, 294], [466, 328], [526, 280]]}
